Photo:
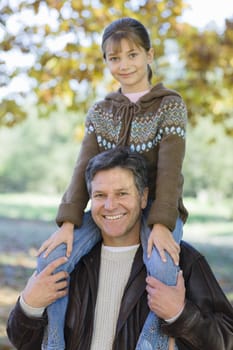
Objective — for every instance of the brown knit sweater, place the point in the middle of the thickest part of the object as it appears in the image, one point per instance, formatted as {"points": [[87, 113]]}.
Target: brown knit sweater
{"points": [[154, 126]]}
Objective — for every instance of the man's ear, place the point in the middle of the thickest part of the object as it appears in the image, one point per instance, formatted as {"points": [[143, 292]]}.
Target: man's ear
{"points": [[144, 198]]}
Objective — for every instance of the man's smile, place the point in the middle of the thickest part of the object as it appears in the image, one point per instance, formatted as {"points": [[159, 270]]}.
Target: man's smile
{"points": [[113, 217]]}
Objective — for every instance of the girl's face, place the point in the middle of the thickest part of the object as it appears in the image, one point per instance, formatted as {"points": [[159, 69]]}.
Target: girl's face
{"points": [[128, 65]]}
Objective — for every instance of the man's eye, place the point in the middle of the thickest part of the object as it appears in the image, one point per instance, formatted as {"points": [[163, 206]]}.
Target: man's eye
{"points": [[98, 195], [123, 194]]}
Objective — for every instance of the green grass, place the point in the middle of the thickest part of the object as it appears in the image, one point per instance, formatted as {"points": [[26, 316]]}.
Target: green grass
{"points": [[209, 210], [33, 206], [28, 206]]}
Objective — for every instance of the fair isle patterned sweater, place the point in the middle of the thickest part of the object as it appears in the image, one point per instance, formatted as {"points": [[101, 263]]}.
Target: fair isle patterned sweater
{"points": [[154, 126]]}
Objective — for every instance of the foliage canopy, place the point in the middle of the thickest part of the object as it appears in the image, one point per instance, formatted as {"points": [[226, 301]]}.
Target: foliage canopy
{"points": [[52, 48]]}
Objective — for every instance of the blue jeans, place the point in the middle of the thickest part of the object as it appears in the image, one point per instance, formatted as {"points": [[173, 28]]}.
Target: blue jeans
{"points": [[85, 238], [151, 337]]}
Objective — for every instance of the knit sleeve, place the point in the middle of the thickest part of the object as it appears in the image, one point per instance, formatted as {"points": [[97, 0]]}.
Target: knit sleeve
{"points": [[76, 197], [171, 151]]}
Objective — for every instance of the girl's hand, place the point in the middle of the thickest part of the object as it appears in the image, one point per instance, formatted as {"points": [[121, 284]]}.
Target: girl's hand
{"points": [[162, 239], [65, 234]]}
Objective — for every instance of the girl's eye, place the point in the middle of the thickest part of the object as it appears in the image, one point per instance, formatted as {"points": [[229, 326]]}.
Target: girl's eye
{"points": [[133, 55], [113, 59]]}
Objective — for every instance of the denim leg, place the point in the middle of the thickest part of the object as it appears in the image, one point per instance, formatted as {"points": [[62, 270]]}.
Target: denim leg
{"points": [[85, 238], [151, 337]]}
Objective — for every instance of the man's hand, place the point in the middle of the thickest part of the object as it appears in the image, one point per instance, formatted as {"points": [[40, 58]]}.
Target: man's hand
{"points": [[165, 301], [161, 237], [44, 288], [65, 234]]}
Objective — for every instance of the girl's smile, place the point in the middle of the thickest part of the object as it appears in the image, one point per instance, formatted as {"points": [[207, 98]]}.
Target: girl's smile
{"points": [[129, 65]]}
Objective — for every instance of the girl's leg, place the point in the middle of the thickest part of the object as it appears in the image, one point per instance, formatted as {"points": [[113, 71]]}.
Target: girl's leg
{"points": [[171, 344], [151, 337], [85, 239]]}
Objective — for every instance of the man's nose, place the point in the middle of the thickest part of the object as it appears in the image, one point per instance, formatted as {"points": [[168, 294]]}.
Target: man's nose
{"points": [[110, 203]]}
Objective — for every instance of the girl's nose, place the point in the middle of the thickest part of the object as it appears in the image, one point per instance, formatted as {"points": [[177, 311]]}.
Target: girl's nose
{"points": [[124, 64]]}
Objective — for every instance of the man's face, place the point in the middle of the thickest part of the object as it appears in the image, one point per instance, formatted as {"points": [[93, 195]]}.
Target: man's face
{"points": [[116, 206]]}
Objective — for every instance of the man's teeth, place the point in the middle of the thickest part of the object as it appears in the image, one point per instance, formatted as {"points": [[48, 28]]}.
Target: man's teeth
{"points": [[113, 217]]}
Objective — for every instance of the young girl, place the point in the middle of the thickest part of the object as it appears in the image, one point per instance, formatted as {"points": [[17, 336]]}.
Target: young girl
{"points": [[152, 121]]}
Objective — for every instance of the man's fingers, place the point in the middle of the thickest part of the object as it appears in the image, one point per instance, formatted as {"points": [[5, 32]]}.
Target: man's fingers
{"points": [[54, 264], [60, 276], [59, 294], [153, 282], [33, 276], [61, 284]]}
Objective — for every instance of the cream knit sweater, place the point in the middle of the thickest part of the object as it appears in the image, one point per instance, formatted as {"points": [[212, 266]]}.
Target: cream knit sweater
{"points": [[115, 269]]}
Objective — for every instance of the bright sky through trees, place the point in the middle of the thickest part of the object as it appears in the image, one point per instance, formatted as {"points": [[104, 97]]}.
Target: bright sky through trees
{"points": [[203, 12], [47, 49]]}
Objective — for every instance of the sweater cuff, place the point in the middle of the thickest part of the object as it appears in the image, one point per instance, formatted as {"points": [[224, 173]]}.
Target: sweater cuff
{"points": [[158, 214], [184, 323], [29, 310], [69, 212], [26, 321], [174, 318]]}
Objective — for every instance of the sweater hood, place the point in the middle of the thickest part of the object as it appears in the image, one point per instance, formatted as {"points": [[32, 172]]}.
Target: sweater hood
{"points": [[158, 91], [124, 110]]}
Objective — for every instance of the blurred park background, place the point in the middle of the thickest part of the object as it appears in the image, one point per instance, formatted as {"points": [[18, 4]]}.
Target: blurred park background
{"points": [[51, 72]]}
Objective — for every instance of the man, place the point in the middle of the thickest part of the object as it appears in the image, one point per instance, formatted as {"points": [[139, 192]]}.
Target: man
{"points": [[110, 295]]}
